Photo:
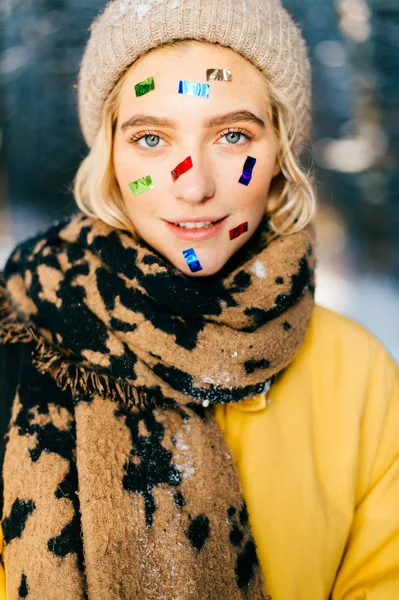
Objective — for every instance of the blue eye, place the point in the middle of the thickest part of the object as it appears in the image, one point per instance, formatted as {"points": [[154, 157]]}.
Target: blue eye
{"points": [[236, 137], [152, 141], [233, 136], [147, 140]]}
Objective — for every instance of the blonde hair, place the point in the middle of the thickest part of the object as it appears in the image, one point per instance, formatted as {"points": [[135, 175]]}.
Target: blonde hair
{"points": [[291, 200]]}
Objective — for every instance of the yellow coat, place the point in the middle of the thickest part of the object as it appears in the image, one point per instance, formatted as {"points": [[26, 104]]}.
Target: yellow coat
{"points": [[318, 459]]}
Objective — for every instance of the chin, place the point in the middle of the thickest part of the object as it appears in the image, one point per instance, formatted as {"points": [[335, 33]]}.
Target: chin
{"points": [[210, 265], [205, 272]]}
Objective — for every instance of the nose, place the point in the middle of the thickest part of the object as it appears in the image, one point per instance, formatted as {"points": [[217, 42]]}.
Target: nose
{"points": [[196, 185]]}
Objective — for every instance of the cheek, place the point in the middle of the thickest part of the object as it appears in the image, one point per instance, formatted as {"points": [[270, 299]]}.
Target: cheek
{"points": [[129, 166], [263, 172], [122, 166], [142, 208], [254, 195], [129, 169]]}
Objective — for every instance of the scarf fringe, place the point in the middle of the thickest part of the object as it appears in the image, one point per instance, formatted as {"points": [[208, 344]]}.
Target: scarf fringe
{"points": [[66, 373], [81, 380], [12, 329]]}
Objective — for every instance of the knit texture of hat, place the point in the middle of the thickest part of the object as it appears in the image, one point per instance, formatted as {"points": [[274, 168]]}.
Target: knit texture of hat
{"points": [[262, 31]]}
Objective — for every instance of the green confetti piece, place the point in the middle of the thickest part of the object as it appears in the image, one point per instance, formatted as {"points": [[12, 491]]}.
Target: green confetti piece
{"points": [[141, 185], [144, 86]]}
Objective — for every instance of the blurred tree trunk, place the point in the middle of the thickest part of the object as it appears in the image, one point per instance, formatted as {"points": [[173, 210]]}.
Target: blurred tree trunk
{"points": [[385, 55]]}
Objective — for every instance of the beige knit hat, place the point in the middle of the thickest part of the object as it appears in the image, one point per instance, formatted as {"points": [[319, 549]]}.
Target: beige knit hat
{"points": [[260, 30]]}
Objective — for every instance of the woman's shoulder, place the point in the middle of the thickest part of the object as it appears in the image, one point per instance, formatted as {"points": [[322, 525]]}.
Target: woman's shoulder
{"points": [[343, 334], [342, 374], [342, 349]]}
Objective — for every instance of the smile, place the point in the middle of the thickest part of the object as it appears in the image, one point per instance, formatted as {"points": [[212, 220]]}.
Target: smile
{"points": [[196, 230], [191, 225]]}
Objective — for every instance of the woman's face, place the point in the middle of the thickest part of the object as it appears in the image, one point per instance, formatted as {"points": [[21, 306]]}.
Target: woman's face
{"points": [[159, 130]]}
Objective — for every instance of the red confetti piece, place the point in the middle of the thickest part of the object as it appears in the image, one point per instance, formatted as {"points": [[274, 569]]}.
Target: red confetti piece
{"points": [[183, 167], [234, 233]]}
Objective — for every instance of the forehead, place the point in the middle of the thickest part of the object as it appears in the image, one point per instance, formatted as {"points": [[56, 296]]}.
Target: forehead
{"points": [[171, 64]]}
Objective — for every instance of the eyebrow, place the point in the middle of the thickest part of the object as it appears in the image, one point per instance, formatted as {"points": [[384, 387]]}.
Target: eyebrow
{"points": [[142, 120]]}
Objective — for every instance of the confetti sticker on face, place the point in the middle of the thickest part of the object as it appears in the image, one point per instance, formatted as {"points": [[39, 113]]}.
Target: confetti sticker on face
{"points": [[237, 231], [181, 168], [247, 170], [144, 86], [141, 185], [192, 260], [218, 75], [191, 88]]}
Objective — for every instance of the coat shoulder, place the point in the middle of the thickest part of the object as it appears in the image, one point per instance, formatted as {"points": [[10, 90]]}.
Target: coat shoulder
{"points": [[342, 337], [341, 351]]}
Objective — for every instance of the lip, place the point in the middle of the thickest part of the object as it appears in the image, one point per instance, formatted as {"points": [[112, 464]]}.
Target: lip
{"points": [[196, 234], [195, 219]]}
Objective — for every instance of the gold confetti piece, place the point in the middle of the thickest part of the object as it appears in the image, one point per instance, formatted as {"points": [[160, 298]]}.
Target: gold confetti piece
{"points": [[218, 75]]}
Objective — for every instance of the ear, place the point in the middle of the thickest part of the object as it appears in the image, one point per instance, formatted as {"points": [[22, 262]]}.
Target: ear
{"points": [[276, 169]]}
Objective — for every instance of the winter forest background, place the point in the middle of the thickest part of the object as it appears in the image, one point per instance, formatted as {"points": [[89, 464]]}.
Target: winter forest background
{"points": [[354, 49]]}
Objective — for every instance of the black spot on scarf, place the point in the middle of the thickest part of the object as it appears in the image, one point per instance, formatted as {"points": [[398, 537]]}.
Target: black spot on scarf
{"points": [[36, 393], [198, 531], [236, 535], [14, 524], [156, 465], [299, 282], [251, 366], [246, 562], [183, 382], [23, 588]]}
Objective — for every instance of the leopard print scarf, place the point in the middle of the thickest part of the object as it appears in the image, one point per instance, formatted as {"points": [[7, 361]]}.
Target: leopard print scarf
{"points": [[118, 482]]}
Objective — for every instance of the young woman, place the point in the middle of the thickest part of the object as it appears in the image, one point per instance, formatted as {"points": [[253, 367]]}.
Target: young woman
{"points": [[182, 422]]}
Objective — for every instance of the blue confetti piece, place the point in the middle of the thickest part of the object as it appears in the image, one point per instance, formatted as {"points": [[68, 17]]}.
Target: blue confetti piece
{"points": [[247, 170], [192, 260], [191, 88]]}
